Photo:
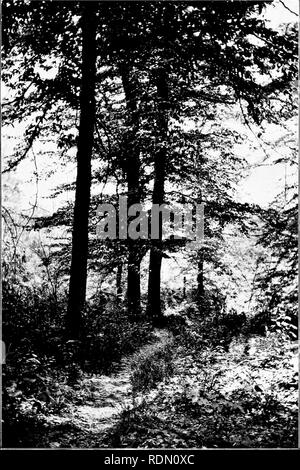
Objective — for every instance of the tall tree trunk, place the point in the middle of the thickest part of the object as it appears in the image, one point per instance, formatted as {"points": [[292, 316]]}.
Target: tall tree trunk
{"points": [[78, 274], [200, 279], [184, 288], [130, 86], [154, 309], [119, 278]]}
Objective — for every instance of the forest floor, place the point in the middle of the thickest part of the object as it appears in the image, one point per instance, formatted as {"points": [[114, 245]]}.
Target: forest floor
{"points": [[93, 404], [169, 395], [244, 397]]}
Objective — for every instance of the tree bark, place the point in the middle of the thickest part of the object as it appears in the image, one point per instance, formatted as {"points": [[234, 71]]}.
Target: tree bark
{"points": [[119, 279], [184, 288], [78, 273], [200, 279], [154, 309], [130, 86]]}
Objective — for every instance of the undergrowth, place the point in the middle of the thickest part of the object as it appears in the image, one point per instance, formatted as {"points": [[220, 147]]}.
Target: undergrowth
{"points": [[239, 394]]}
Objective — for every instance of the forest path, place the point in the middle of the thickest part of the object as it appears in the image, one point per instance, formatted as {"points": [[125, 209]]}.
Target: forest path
{"points": [[256, 373], [106, 397]]}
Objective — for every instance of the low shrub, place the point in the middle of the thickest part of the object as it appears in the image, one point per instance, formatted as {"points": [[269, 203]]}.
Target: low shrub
{"points": [[109, 335], [151, 368]]}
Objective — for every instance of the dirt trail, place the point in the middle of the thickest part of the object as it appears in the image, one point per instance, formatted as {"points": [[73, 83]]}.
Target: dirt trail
{"points": [[107, 395]]}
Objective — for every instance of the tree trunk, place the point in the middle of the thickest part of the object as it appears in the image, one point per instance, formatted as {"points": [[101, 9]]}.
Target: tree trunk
{"points": [[119, 279], [78, 273], [200, 280], [154, 309], [184, 288], [130, 86]]}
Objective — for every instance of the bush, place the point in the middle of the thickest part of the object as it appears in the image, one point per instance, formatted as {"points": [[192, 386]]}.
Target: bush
{"points": [[109, 335], [151, 368], [32, 322]]}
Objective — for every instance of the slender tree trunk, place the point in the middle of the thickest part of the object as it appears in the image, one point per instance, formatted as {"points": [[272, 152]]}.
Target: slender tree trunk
{"points": [[78, 274], [200, 280], [184, 288], [119, 278], [154, 309], [133, 186]]}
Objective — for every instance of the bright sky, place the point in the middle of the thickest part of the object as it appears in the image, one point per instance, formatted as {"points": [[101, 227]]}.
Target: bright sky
{"points": [[281, 12]]}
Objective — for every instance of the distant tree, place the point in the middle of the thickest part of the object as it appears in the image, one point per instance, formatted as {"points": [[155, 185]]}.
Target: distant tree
{"points": [[276, 282], [130, 86], [158, 196]]}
